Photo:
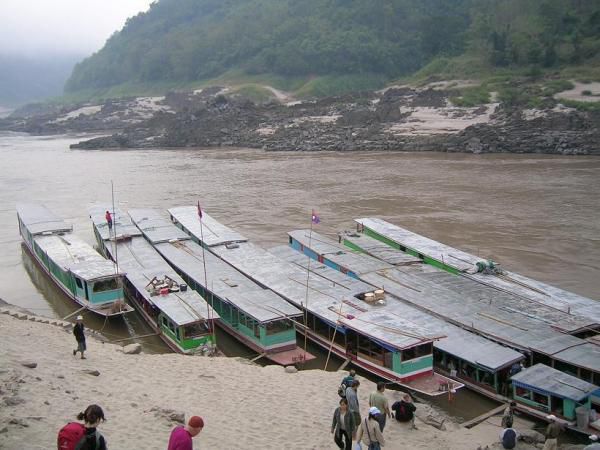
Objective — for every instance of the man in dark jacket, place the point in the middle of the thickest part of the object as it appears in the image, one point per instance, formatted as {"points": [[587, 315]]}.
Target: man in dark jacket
{"points": [[405, 410], [78, 332]]}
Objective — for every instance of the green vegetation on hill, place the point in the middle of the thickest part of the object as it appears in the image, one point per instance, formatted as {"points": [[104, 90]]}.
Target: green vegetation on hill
{"points": [[332, 46]]}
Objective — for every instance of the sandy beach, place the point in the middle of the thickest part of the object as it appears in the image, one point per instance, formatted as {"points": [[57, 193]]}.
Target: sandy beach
{"points": [[243, 405]]}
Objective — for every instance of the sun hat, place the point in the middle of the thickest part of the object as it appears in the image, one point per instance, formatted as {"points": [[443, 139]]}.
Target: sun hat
{"points": [[79, 317], [196, 422], [593, 437], [551, 417], [374, 410]]}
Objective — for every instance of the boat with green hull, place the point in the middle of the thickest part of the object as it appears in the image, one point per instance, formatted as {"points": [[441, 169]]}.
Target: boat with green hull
{"points": [[181, 317], [253, 315], [74, 266]]}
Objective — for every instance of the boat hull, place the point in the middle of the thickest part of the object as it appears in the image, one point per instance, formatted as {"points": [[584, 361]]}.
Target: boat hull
{"points": [[100, 312]]}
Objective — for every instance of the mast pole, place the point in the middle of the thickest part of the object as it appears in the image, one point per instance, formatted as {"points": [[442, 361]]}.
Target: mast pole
{"points": [[307, 279], [210, 324]]}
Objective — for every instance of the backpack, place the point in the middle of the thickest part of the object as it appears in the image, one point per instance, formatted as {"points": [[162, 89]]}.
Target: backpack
{"points": [[509, 439], [342, 390], [72, 437]]}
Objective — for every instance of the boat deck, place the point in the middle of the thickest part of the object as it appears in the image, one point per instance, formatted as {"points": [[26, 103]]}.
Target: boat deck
{"points": [[290, 357]]}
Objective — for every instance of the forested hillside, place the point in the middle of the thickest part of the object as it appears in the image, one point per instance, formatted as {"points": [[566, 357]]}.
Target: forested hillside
{"points": [[371, 40]]}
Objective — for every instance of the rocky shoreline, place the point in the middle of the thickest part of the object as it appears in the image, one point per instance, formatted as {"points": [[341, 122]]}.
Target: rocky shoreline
{"points": [[397, 119]]}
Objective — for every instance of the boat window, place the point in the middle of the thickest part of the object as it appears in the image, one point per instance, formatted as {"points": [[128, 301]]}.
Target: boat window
{"points": [[408, 354], [195, 329], [177, 334], [278, 326], [596, 378], [79, 284], [106, 285]]}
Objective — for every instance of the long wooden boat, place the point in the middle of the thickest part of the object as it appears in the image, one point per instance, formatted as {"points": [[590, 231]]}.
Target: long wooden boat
{"points": [[75, 267], [558, 328], [251, 314], [180, 316], [395, 347]]}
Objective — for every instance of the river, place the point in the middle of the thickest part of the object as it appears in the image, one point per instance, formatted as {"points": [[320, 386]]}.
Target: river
{"points": [[538, 215]]}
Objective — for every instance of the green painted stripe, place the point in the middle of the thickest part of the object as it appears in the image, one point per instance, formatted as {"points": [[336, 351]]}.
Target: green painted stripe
{"points": [[426, 259]]}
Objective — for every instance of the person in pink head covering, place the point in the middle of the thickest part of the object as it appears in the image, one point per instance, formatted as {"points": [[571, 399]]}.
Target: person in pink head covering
{"points": [[181, 436]]}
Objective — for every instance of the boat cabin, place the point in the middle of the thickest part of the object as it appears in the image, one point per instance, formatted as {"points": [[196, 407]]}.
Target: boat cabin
{"points": [[551, 391]]}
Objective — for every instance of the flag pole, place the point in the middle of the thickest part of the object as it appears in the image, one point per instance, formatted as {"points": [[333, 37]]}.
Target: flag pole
{"points": [[210, 324], [312, 219], [112, 190]]}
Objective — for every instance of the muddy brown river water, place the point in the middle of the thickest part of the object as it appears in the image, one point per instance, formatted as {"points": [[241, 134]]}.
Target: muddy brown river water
{"points": [[537, 215]]}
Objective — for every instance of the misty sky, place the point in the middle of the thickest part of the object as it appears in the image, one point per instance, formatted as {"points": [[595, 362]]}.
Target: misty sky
{"points": [[30, 27]]}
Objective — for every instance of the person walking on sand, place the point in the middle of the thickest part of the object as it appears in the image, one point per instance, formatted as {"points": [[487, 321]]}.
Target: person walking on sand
{"points": [[379, 400], [352, 397], [405, 410], [552, 432], [343, 426], [369, 431], [79, 333], [92, 440], [181, 436], [108, 218]]}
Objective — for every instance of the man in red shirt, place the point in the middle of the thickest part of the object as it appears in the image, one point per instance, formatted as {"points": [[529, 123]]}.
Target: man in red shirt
{"points": [[108, 218], [181, 436]]}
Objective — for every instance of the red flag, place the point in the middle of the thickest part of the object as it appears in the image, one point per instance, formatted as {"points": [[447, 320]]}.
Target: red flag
{"points": [[199, 210]]}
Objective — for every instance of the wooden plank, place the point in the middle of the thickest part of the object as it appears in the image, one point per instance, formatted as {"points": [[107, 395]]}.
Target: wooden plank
{"points": [[482, 417], [345, 363]]}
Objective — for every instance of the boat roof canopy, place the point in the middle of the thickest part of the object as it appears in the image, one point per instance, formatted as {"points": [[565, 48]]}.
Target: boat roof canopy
{"points": [[460, 343], [538, 294], [223, 280], [142, 263], [549, 381], [38, 219], [74, 255], [122, 224], [214, 232], [155, 227]]}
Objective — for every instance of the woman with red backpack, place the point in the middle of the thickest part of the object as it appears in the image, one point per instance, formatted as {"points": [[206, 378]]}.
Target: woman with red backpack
{"points": [[77, 436]]}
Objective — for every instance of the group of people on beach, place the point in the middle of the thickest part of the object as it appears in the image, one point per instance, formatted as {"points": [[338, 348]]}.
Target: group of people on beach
{"points": [[85, 436], [348, 425]]}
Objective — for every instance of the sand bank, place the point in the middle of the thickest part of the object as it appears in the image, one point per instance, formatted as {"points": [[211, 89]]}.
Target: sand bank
{"points": [[244, 405]]}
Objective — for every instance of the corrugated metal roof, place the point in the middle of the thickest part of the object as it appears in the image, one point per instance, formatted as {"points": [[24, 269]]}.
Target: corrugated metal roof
{"points": [[584, 355], [214, 233], [340, 254], [122, 225], [39, 219], [156, 227], [460, 343], [380, 250], [553, 381], [75, 255], [498, 315], [142, 263], [222, 279], [536, 291]]}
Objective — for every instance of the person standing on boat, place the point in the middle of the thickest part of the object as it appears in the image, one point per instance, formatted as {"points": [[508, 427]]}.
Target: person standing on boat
{"points": [[352, 397], [181, 436], [79, 333], [379, 400], [343, 426], [552, 432], [108, 219]]}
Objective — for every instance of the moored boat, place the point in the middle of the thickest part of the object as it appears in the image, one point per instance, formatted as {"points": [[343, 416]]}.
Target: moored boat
{"points": [[392, 346], [180, 316], [74, 266], [253, 315]]}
